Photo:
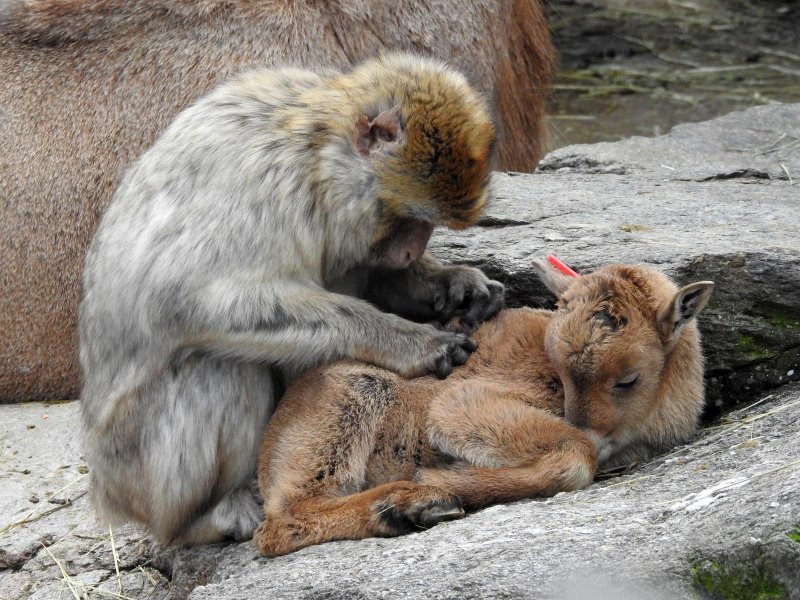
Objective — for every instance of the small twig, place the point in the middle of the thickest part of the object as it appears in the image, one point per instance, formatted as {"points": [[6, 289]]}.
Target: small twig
{"points": [[98, 590], [146, 574], [628, 482], [785, 170], [33, 517], [666, 58], [764, 399], [790, 147], [795, 463], [780, 53], [725, 69], [772, 144], [783, 70], [572, 117]]}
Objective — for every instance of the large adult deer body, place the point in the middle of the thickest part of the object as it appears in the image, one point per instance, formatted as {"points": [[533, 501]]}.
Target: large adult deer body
{"points": [[614, 375], [88, 85]]}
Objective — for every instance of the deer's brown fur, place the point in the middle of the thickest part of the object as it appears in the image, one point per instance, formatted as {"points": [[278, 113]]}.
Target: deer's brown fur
{"points": [[356, 451], [88, 85]]}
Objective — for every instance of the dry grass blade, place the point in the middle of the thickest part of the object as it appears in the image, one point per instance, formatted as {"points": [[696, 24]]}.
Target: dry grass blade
{"points": [[149, 577], [116, 560], [98, 590], [33, 516], [627, 482], [64, 575]]}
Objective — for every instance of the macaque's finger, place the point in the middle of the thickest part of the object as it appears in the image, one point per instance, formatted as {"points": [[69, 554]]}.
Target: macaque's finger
{"points": [[438, 301], [443, 366], [455, 297], [480, 301], [469, 344], [460, 356], [496, 296]]}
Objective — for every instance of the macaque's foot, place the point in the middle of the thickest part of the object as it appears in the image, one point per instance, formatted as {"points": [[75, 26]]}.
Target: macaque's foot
{"points": [[235, 517]]}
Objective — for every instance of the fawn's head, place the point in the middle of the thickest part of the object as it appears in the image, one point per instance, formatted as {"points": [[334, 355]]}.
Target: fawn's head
{"points": [[611, 340]]}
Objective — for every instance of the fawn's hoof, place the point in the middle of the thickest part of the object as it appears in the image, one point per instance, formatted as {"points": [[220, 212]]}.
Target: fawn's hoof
{"points": [[413, 507], [438, 511]]}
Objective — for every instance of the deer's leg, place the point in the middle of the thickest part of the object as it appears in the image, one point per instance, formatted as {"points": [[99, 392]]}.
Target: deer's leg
{"points": [[388, 510], [505, 449]]}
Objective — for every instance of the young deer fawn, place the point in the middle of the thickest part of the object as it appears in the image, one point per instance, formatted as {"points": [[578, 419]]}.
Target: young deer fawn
{"points": [[612, 376]]}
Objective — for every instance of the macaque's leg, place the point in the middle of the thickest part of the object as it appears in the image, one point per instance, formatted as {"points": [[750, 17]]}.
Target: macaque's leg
{"points": [[387, 510], [506, 449]]}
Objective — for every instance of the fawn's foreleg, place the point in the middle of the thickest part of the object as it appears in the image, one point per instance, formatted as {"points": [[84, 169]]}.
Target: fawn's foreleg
{"points": [[388, 510], [506, 449]]}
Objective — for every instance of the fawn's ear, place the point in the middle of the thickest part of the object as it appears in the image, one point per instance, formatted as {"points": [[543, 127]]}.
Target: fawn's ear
{"points": [[684, 306], [554, 279]]}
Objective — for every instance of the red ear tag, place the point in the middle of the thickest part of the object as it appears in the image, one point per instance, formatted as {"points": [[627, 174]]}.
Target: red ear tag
{"points": [[553, 260]]}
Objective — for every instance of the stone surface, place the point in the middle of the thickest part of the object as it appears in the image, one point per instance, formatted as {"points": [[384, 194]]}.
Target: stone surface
{"points": [[716, 514], [720, 509], [717, 200]]}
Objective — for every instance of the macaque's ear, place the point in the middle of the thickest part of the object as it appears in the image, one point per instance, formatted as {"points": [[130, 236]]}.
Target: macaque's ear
{"points": [[376, 134], [554, 279], [684, 306]]}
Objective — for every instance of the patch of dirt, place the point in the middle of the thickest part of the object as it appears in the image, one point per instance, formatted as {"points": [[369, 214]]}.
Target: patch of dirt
{"points": [[638, 67]]}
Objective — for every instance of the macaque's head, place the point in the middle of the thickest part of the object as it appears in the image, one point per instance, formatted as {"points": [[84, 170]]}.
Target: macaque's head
{"points": [[427, 138], [613, 343]]}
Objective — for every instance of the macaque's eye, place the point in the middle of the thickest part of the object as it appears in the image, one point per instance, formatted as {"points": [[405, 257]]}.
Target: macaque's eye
{"points": [[555, 384], [628, 382]]}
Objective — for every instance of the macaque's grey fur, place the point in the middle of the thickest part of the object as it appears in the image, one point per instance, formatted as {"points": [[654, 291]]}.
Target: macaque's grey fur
{"points": [[214, 275]]}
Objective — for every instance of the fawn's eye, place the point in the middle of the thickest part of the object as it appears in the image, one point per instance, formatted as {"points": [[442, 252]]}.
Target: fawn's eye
{"points": [[627, 383]]}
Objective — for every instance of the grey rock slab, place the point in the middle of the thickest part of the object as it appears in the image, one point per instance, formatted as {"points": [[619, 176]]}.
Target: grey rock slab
{"points": [[757, 143], [733, 495], [743, 232], [41, 459]]}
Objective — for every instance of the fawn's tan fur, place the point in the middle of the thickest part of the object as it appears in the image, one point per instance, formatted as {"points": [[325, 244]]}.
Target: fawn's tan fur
{"points": [[355, 451]]}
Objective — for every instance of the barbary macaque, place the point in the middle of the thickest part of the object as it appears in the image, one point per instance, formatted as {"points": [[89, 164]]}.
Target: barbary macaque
{"points": [[238, 251]]}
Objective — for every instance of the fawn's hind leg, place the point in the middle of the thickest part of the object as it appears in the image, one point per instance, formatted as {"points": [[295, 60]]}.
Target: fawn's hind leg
{"points": [[387, 510], [507, 449]]}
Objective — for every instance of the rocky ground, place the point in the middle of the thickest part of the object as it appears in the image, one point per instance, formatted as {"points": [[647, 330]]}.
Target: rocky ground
{"points": [[719, 517]]}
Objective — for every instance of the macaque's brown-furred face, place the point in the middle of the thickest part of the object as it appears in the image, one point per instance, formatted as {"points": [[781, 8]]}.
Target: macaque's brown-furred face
{"points": [[431, 147]]}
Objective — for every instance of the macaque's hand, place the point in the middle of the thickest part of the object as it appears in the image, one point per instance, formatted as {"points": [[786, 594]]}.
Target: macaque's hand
{"points": [[469, 292], [434, 351], [457, 324]]}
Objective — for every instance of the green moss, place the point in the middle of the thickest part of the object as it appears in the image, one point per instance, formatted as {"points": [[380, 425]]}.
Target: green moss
{"points": [[752, 349], [777, 316], [742, 583], [795, 535]]}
